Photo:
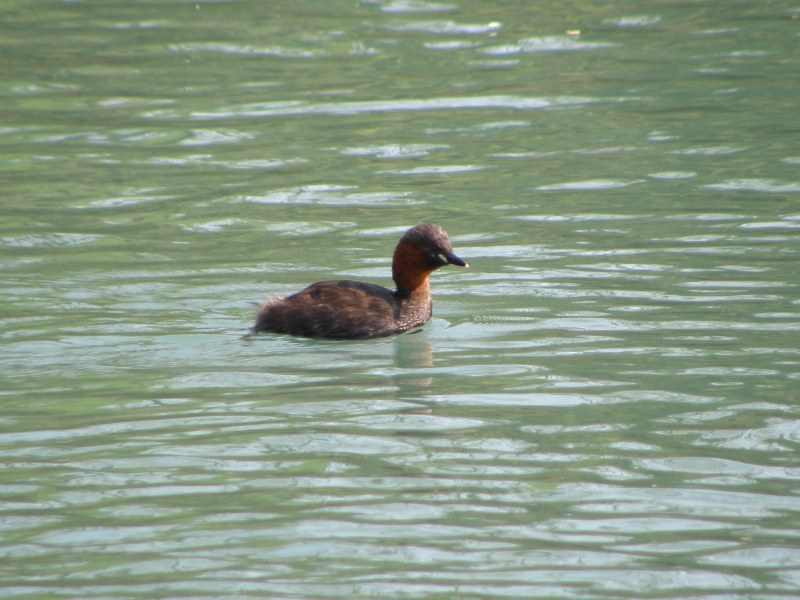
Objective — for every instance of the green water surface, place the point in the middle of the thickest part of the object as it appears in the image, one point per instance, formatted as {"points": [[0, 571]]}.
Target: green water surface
{"points": [[605, 405]]}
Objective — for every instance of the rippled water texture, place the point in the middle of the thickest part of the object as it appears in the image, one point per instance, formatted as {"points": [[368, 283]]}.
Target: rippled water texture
{"points": [[605, 404]]}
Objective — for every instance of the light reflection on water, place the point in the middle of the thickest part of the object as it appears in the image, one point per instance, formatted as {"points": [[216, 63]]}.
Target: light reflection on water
{"points": [[605, 403]]}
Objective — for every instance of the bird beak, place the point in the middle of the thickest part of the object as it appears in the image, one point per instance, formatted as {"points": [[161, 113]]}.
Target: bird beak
{"points": [[452, 259]]}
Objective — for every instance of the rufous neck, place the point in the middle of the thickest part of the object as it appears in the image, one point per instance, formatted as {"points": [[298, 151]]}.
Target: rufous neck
{"points": [[410, 270]]}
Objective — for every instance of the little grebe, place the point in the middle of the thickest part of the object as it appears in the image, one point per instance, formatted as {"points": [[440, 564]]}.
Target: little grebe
{"points": [[355, 310]]}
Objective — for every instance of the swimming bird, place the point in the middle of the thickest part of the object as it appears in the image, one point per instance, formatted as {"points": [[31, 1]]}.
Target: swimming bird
{"points": [[350, 310]]}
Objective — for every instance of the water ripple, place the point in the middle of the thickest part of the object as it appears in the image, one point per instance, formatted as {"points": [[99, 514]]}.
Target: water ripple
{"points": [[335, 195], [756, 185], [633, 21], [589, 185], [393, 151], [416, 6], [49, 240], [445, 27], [546, 44], [434, 170], [296, 107], [246, 49]]}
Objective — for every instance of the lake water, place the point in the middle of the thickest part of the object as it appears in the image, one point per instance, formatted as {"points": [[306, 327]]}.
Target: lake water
{"points": [[605, 405]]}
